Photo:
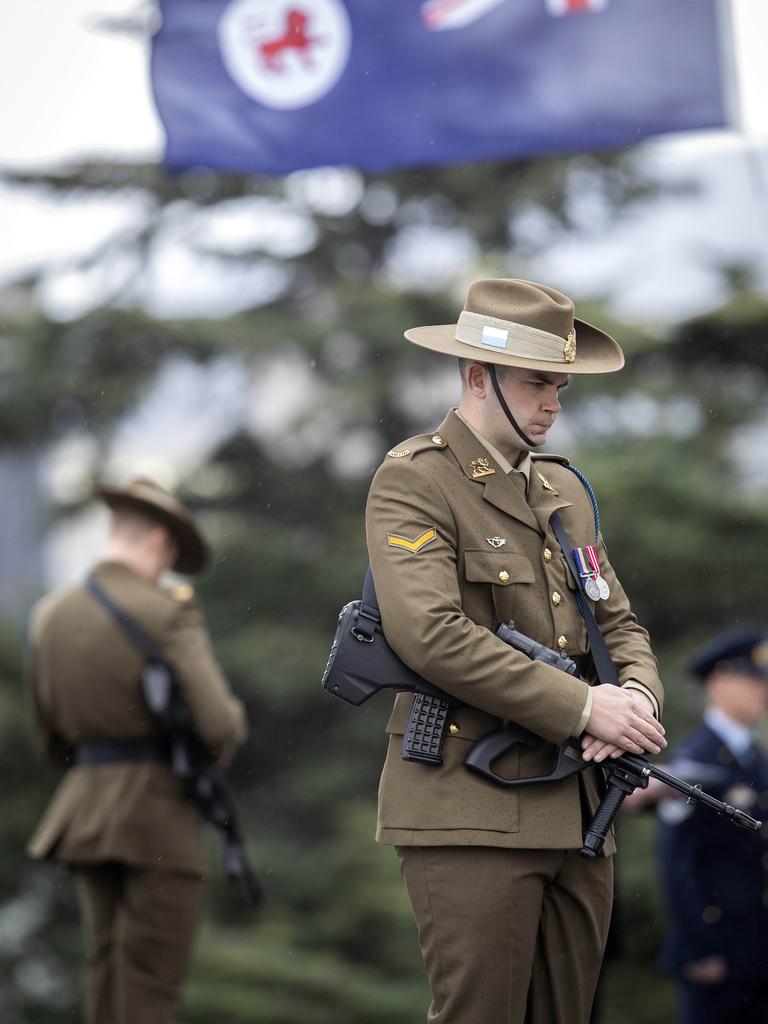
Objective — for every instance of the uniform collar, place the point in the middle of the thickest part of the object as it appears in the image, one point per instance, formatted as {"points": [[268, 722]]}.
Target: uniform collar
{"points": [[524, 466], [481, 467], [734, 735]]}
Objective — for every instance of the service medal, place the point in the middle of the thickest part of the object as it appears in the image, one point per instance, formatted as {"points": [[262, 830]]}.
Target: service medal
{"points": [[592, 581], [592, 588]]}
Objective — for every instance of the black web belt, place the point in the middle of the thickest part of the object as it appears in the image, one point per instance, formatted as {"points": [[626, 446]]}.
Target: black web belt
{"points": [[114, 751]]}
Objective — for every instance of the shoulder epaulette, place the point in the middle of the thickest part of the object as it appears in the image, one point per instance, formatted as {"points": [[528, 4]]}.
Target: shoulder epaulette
{"points": [[585, 483], [420, 443], [548, 457]]}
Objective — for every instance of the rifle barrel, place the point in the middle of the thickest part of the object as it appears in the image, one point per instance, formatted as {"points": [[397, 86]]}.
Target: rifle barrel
{"points": [[695, 793]]}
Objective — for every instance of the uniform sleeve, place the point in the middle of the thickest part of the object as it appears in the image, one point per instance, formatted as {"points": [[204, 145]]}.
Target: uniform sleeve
{"points": [[218, 714], [627, 641], [50, 742], [412, 544]]}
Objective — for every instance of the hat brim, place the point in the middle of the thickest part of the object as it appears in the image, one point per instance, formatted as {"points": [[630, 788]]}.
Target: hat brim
{"points": [[596, 351], [192, 549]]}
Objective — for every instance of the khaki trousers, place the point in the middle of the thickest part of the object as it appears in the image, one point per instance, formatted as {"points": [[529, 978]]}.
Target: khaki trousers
{"points": [[509, 936], [139, 924]]}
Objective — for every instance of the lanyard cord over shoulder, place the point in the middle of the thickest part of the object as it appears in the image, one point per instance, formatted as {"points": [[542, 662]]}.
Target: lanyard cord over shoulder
{"points": [[592, 498]]}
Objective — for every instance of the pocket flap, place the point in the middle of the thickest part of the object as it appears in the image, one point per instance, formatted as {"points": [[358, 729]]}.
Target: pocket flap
{"points": [[500, 567]]}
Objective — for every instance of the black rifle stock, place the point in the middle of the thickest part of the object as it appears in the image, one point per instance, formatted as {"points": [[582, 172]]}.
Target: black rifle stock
{"points": [[425, 732]]}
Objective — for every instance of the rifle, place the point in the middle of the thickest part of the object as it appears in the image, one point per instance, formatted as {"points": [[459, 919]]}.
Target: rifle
{"points": [[356, 675], [192, 763]]}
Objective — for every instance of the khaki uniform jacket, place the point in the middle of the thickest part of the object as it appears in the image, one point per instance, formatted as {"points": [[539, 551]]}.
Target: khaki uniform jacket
{"points": [[442, 588], [85, 684]]}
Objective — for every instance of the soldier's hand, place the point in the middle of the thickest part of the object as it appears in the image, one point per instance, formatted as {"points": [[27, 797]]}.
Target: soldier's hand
{"points": [[597, 750], [621, 720], [710, 970]]}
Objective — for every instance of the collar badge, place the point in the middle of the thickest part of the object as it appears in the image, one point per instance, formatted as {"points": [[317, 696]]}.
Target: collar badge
{"points": [[545, 483], [481, 467]]}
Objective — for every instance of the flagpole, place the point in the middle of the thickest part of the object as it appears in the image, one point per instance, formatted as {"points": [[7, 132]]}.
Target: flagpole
{"points": [[733, 101], [729, 66]]}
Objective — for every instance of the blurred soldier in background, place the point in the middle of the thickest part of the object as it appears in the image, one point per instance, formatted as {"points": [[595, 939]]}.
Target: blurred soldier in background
{"points": [[119, 817], [512, 919], [715, 877]]}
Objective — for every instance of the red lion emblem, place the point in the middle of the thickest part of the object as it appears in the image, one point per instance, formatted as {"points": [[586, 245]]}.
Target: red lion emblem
{"points": [[294, 37]]}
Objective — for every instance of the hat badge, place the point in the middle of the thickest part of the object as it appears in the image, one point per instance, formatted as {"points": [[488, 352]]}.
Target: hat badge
{"points": [[569, 347]]}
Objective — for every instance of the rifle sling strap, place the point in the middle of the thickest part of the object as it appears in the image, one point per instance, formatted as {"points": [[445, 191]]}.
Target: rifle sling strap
{"points": [[606, 670], [129, 626]]}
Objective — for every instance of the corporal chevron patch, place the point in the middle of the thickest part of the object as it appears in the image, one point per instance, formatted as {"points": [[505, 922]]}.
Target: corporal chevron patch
{"points": [[396, 541]]}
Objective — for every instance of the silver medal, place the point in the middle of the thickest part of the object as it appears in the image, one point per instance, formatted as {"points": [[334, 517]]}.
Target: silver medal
{"points": [[592, 588], [605, 590]]}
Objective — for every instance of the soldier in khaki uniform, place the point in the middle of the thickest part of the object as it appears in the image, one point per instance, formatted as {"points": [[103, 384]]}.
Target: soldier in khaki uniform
{"points": [[512, 920], [119, 817]]}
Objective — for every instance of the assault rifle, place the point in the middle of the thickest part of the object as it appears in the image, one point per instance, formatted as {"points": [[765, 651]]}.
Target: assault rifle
{"points": [[355, 675], [204, 784]]}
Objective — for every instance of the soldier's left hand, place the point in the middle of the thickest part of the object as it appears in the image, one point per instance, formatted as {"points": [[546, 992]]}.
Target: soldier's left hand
{"points": [[593, 749]]}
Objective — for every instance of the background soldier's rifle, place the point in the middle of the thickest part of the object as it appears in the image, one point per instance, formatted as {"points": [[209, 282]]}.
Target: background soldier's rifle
{"points": [[192, 762]]}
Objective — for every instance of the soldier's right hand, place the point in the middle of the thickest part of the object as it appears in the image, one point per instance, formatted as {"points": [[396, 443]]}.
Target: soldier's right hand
{"points": [[623, 717]]}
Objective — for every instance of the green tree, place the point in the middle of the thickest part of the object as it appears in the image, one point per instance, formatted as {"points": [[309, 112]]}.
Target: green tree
{"points": [[283, 506]]}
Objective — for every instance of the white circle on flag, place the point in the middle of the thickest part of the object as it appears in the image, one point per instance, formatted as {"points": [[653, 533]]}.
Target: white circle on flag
{"points": [[285, 53]]}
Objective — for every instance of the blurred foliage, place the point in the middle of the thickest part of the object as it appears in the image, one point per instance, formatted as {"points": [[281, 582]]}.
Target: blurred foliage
{"points": [[683, 521]]}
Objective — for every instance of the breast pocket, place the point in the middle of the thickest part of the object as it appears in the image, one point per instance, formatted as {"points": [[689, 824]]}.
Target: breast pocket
{"points": [[497, 581]]}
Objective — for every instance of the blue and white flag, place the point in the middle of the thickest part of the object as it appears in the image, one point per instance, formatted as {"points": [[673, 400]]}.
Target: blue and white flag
{"points": [[271, 86]]}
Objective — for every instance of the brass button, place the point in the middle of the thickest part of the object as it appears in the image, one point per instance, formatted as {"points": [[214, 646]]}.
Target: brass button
{"points": [[436, 439], [556, 599], [453, 729], [504, 576], [547, 555], [562, 642]]}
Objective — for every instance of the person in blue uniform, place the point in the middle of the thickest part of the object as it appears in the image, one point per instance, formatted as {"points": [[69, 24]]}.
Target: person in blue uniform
{"points": [[715, 876]]}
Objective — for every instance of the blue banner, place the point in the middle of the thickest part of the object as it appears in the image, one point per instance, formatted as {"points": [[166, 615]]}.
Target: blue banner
{"points": [[271, 86]]}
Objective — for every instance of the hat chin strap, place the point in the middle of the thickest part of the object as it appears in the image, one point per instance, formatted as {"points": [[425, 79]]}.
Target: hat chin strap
{"points": [[506, 409]]}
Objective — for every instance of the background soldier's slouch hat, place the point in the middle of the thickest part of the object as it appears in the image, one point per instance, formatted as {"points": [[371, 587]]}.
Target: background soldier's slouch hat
{"points": [[152, 500], [743, 650], [510, 322]]}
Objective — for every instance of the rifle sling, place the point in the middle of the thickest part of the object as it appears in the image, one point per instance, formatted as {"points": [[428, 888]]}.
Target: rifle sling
{"points": [[129, 626], [606, 670]]}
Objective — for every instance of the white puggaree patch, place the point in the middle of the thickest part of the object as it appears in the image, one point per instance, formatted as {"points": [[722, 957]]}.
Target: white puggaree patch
{"points": [[285, 54], [496, 337]]}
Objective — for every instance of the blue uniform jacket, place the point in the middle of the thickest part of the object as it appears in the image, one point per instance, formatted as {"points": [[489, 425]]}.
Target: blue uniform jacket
{"points": [[715, 875]]}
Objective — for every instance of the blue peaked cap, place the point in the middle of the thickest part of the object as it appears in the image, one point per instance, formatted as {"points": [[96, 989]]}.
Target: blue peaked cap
{"points": [[744, 649]]}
